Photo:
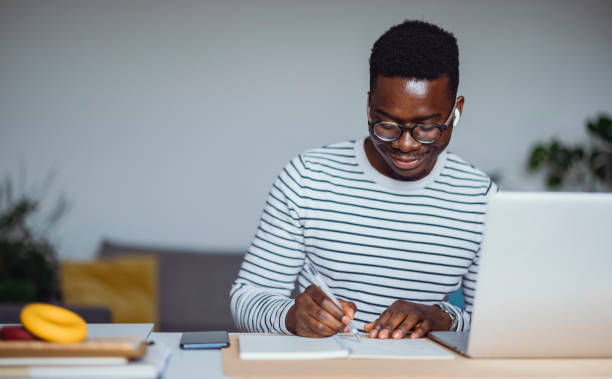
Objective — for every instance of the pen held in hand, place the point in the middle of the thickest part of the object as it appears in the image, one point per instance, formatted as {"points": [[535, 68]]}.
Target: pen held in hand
{"points": [[317, 279]]}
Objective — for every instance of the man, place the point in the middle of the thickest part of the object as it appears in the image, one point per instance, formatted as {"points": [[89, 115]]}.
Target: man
{"points": [[393, 222]]}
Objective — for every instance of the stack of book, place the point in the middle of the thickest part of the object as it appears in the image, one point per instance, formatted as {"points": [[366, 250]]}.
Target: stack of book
{"points": [[125, 357]]}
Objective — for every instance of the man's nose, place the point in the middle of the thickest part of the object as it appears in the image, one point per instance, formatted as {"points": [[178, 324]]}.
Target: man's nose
{"points": [[406, 143]]}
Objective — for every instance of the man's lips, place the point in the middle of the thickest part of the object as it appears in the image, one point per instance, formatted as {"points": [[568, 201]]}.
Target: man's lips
{"points": [[406, 162]]}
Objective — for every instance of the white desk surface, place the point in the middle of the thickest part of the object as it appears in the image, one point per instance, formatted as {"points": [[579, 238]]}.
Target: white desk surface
{"points": [[142, 331], [187, 364], [183, 364]]}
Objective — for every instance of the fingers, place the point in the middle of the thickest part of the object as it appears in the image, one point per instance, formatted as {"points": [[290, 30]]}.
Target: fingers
{"points": [[409, 322], [317, 328], [421, 329], [403, 318], [349, 309], [319, 297], [318, 316], [345, 315], [374, 327], [393, 322], [326, 314]]}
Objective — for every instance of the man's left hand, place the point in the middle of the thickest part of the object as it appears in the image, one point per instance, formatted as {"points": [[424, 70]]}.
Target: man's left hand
{"points": [[403, 316]]}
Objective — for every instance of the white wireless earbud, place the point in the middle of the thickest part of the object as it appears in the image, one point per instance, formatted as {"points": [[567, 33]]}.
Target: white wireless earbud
{"points": [[457, 117]]}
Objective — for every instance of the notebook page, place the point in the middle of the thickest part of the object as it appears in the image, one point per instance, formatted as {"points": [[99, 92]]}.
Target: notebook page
{"points": [[253, 347], [373, 348]]}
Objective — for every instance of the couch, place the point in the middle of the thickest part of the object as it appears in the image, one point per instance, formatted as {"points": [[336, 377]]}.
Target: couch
{"points": [[193, 286]]}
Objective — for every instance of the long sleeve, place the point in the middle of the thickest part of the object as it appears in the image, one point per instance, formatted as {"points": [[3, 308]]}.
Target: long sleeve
{"points": [[468, 285], [260, 296]]}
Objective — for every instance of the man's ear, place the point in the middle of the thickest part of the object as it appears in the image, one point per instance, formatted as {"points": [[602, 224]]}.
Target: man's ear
{"points": [[458, 110], [460, 102]]}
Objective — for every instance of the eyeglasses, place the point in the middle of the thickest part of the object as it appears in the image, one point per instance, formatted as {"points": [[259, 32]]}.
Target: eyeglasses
{"points": [[389, 131]]}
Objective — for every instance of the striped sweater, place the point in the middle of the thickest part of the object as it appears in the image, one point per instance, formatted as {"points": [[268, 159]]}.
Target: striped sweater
{"points": [[374, 239]]}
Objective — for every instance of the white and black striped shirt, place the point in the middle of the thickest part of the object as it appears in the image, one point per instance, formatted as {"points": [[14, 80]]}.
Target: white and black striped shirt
{"points": [[374, 239]]}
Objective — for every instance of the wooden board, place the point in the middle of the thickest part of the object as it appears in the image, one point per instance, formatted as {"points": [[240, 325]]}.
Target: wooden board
{"points": [[127, 347], [459, 367]]}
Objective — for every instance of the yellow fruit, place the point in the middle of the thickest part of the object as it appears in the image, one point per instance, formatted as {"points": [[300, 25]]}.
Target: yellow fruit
{"points": [[53, 323]]}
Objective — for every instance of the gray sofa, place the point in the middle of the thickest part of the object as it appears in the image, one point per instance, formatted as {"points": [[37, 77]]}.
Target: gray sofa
{"points": [[193, 286]]}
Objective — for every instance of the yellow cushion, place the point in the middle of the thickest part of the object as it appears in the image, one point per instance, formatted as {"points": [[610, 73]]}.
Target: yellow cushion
{"points": [[125, 285]]}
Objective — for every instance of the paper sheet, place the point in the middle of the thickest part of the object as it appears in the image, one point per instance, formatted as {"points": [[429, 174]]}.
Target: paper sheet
{"points": [[267, 347]]}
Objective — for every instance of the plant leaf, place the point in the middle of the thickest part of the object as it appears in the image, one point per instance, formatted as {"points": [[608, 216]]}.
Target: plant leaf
{"points": [[602, 128], [539, 155]]}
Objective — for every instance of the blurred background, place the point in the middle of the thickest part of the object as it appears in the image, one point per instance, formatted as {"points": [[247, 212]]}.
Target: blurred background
{"points": [[158, 127]]}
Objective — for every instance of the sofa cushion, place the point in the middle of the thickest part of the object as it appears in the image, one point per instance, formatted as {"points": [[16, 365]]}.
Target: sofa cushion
{"points": [[193, 285], [126, 285]]}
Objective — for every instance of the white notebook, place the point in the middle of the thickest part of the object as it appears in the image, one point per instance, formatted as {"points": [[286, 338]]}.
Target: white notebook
{"points": [[262, 347], [151, 366]]}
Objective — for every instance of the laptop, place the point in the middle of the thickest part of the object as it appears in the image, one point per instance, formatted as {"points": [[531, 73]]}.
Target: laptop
{"points": [[545, 281]]}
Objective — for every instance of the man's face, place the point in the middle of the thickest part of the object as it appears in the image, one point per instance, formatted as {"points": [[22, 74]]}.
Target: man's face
{"points": [[408, 102]]}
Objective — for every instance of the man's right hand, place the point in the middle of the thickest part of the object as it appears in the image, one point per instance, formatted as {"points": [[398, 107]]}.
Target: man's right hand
{"points": [[315, 315]]}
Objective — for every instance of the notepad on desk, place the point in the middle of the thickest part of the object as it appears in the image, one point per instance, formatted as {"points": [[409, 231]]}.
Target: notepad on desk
{"points": [[276, 347], [150, 366]]}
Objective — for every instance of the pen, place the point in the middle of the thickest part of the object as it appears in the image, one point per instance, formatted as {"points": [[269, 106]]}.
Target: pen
{"points": [[320, 282]]}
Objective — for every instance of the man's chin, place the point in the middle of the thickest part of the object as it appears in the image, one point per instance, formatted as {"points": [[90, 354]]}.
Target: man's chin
{"points": [[408, 176]]}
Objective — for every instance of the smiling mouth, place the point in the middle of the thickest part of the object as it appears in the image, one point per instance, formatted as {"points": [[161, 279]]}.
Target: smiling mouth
{"points": [[407, 163]]}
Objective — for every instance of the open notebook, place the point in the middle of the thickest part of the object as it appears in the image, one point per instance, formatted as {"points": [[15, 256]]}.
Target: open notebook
{"points": [[274, 347]]}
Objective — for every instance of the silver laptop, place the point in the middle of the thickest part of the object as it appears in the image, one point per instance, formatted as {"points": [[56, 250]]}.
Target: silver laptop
{"points": [[545, 282]]}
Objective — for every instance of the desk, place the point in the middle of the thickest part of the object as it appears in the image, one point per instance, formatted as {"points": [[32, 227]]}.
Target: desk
{"points": [[187, 364], [201, 364], [209, 363]]}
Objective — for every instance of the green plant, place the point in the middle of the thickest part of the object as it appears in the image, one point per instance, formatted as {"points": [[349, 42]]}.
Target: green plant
{"points": [[28, 261], [580, 167]]}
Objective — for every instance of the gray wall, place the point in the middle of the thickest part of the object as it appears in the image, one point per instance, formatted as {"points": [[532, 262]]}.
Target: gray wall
{"points": [[166, 122]]}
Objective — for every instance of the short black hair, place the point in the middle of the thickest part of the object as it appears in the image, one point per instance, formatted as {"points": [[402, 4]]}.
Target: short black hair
{"points": [[417, 50]]}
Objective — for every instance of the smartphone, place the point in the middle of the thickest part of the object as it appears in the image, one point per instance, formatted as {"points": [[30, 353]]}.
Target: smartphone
{"points": [[204, 340]]}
